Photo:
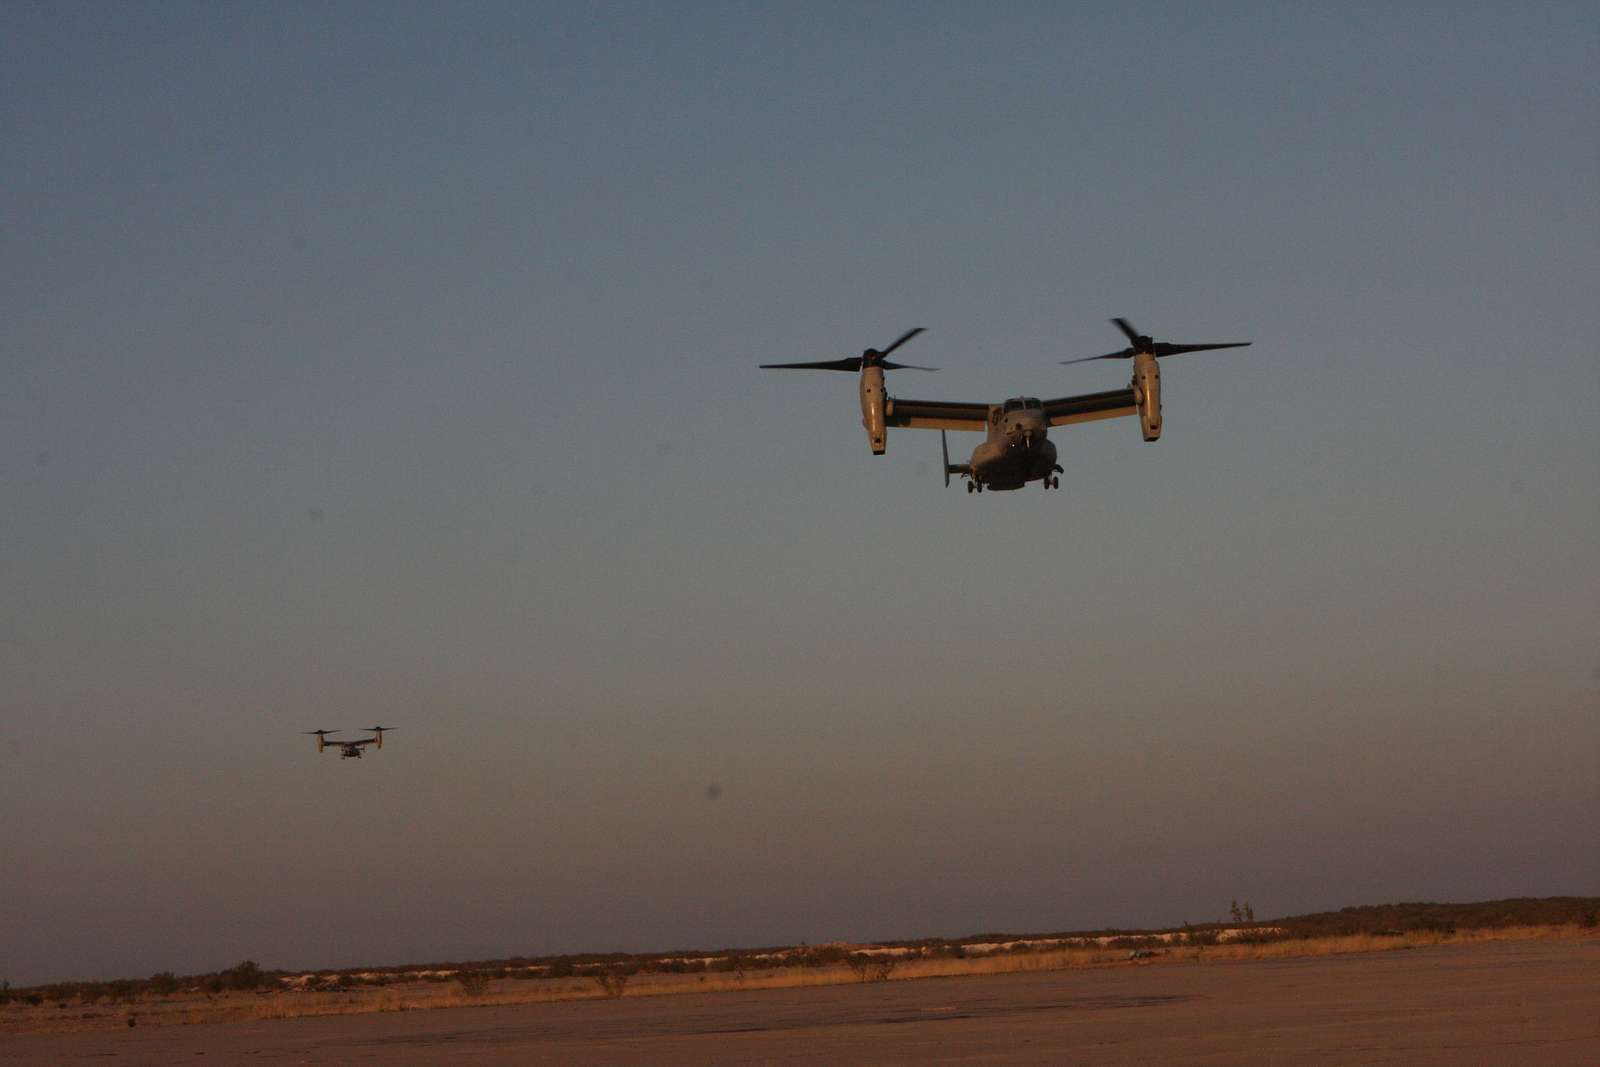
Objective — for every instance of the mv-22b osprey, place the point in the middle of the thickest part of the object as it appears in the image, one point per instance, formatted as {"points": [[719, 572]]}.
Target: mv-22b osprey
{"points": [[1016, 447], [350, 749]]}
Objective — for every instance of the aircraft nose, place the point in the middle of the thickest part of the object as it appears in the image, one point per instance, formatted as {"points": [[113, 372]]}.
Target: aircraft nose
{"points": [[1026, 428]]}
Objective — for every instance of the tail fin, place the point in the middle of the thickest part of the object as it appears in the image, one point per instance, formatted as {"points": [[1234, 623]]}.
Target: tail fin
{"points": [[951, 468]]}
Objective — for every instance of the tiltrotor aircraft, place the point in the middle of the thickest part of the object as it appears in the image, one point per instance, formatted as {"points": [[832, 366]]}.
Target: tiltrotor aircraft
{"points": [[1016, 447], [350, 749]]}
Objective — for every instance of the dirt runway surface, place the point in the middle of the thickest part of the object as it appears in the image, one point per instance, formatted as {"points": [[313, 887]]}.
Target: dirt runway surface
{"points": [[1528, 1002]]}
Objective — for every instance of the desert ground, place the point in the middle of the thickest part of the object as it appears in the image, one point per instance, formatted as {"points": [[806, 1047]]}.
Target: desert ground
{"points": [[1518, 1001]]}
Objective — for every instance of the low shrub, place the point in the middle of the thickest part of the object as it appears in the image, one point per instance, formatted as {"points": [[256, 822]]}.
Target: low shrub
{"points": [[246, 975], [473, 983], [869, 968]]}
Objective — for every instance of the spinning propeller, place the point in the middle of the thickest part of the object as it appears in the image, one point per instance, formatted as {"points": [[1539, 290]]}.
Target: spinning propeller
{"points": [[1143, 344], [872, 357]]}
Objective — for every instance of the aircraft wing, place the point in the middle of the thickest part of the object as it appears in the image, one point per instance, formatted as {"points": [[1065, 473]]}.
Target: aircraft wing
{"points": [[1067, 410], [362, 741], [936, 415]]}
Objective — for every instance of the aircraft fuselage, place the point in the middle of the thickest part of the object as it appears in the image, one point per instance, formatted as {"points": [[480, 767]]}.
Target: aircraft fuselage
{"points": [[1016, 449]]}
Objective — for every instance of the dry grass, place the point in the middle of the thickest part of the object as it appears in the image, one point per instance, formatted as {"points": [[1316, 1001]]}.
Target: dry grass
{"points": [[1335, 946], [194, 1009]]}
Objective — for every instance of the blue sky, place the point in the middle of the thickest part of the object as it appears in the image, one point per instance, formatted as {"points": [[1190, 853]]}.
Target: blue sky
{"points": [[398, 364]]}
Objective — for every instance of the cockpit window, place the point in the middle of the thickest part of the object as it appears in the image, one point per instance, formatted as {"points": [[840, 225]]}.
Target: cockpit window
{"points": [[1013, 405], [1032, 405]]}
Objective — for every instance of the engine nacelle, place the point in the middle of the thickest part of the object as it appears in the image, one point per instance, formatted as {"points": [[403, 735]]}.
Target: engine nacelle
{"points": [[873, 401], [1147, 394]]}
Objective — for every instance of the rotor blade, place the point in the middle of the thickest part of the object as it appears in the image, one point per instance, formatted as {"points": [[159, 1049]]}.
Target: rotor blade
{"points": [[904, 366], [853, 363], [1124, 354], [908, 335], [1127, 328], [382, 729], [1178, 350], [319, 731]]}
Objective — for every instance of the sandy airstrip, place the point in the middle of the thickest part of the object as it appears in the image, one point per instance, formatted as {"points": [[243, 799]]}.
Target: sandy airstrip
{"points": [[1500, 1002]]}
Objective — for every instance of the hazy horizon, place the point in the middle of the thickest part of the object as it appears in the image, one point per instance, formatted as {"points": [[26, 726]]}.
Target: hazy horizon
{"points": [[689, 950], [398, 364]]}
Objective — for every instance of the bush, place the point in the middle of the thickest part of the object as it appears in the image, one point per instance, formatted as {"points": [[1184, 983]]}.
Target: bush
{"points": [[868, 968], [823, 955], [246, 975], [125, 990], [1257, 937], [473, 983], [163, 983], [1131, 941], [611, 982]]}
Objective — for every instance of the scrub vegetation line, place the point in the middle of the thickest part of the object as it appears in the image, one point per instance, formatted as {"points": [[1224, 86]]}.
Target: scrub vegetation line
{"points": [[247, 992]]}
